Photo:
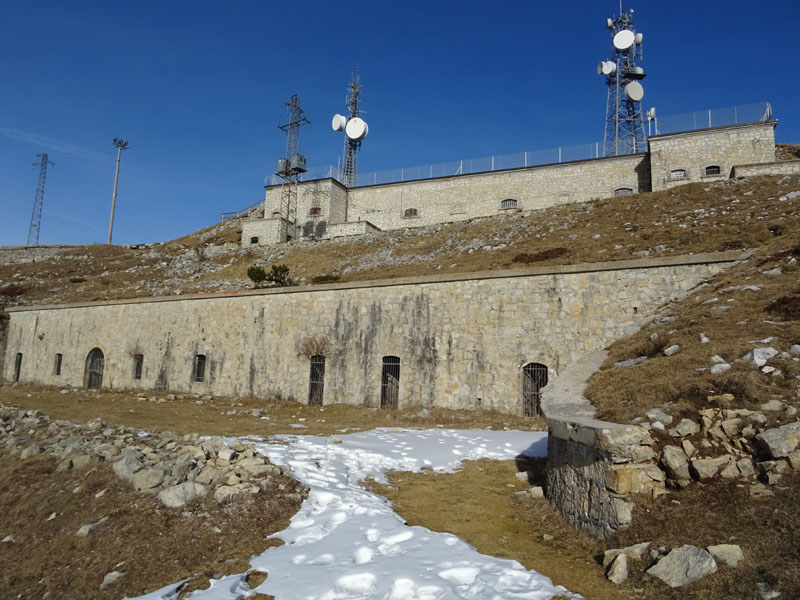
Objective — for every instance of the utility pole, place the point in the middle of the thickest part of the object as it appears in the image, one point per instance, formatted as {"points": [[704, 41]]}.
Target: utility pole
{"points": [[121, 145], [38, 200], [293, 165]]}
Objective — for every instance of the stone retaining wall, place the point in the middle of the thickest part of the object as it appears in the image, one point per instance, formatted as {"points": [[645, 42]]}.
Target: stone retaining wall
{"points": [[10, 255], [781, 167]]}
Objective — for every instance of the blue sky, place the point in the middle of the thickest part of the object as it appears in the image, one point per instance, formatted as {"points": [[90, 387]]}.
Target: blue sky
{"points": [[197, 89]]}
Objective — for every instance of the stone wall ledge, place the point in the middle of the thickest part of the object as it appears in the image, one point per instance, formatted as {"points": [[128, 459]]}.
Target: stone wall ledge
{"points": [[620, 265]]}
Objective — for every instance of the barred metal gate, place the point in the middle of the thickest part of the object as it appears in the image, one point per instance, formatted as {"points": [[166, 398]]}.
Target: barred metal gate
{"points": [[316, 379], [534, 378], [390, 382], [95, 362]]}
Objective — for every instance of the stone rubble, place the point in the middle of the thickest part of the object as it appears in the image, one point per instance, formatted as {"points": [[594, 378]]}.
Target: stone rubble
{"points": [[176, 469], [683, 566]]}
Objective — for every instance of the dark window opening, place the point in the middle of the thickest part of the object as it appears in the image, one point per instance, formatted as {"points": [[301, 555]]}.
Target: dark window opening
{"points": [[390, 382], [508, 203], [138, 363], [254, 239], [199, 369], [623, 191], [410, 212], [93, 375], [534, 378], [315, 211], [17, 366], [57, 365], [713, 170], [316, 380]]}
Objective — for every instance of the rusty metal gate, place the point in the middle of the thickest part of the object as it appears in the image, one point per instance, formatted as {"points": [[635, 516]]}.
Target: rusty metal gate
{"points": [[95, 362], [390, 382], [316, 379], [534, 378]]}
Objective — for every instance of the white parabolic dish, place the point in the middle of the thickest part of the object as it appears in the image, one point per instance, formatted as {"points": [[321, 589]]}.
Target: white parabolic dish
{"points": [[609, 67], [600, 68], [635, 91], [624, 39], [356, 129], [338, 123], [639, 38]]}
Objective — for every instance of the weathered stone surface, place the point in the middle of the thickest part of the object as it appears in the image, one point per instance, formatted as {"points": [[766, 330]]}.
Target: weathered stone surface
{"points": [[707, 468], [780, 441], [675, 463], [672, 350], [760, 356], [147, 479], [618, 571], [656, 414], [720, 368], [111, 578], [728, 554], [225, 493], [684, 428], [634, 552], [683, 566], [183, 493], [126, 468]]}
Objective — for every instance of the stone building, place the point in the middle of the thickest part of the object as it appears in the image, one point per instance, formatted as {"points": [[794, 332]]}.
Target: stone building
{"points": [[326, 209]]}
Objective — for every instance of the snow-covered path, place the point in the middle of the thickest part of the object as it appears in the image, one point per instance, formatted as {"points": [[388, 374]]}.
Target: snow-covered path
{"points": [[347, 543]]}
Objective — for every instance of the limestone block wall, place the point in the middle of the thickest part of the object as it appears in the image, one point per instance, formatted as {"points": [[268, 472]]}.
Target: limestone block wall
{"points": [[692, 152], [462, 341], [10, 255], [431, 201], [782, 167]]}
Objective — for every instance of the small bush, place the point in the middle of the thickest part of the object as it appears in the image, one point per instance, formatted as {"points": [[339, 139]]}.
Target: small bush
{"points": [[12, 290], [539, 256], [77, 279], [257, 275], [330, 278], [786, 307]]}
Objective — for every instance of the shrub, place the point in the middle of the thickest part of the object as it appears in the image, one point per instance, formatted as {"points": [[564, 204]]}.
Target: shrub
{"points": [[12, 290], [257, 275], [786, 307], [543, 255], [279, 276]]}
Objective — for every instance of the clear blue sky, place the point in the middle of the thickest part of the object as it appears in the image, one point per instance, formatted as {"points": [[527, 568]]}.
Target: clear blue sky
{"points": [[197, 89]]}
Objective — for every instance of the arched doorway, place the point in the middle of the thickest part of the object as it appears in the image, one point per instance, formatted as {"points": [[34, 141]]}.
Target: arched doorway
{"points": [[390, 382], [93, 376], [316, 379], [534, 378]]}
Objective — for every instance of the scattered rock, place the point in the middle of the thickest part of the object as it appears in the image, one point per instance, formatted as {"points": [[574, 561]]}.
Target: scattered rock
{"points": [[183, 493], [618, 571], [656, 414], [707, 468], [766, 592], [631, 362], [728, 554], [683, 566], [675, 463], [685, 428], [672, 350], [760, 356], [111, 578], [90, 528], [780, 441]]}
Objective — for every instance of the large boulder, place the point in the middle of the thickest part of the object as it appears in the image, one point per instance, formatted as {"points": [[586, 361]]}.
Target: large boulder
{"points": [[183, 493], [729, 554], [780, 441], [707, 468], [683, 566], [674, 461]]}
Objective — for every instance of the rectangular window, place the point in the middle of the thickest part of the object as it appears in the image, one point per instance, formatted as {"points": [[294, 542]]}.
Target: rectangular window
{"points": [[677, 174], [17, 366], [713, 170], [199, 370], [57, 365], [138, 362]]}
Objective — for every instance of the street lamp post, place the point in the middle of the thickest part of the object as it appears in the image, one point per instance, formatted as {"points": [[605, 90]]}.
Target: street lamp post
{"points": [[121, 145]]}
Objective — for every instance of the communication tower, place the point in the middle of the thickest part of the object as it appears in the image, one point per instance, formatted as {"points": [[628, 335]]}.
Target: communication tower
{"points": [[292, 165], [355, 130], [624, 132], [38, 200]]}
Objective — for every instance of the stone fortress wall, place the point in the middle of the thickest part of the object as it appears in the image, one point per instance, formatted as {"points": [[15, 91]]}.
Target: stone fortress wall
{"points": [[325, 208], [462, 340]]}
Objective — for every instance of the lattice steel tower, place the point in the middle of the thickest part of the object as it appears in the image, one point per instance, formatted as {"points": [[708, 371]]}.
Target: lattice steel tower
{"points": [[624, 132], [38, 200], [292, 165], [355, 130]]}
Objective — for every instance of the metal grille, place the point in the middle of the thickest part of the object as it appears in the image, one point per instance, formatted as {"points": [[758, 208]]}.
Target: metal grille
{"points": [[199, 371], [95, 363], [138, 362], [390, 382], [534, 378], [17, 366], [316, 380]]}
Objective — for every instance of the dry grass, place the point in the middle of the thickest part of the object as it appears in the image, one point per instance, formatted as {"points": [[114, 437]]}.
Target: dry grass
{"points": [[736, 214], [189, 414], [154, 546], [478, 505], [681, 384]]}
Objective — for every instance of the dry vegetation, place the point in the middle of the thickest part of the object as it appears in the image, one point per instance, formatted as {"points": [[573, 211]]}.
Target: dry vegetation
{"points": [[693, 218]]}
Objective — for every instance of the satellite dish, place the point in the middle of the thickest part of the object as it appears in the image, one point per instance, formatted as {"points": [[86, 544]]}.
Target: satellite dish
{"points": [[639, 38], [356, 129], [634, 91], [651, 114], [638, 70], [609, 67], [600, 67], [624, 39], [338, 123], [609, 23]]}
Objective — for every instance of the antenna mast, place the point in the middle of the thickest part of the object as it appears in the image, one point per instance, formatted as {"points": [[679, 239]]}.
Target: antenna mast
{"points": [[292, 166], [624, 128], [355, 130], [38, 200]]}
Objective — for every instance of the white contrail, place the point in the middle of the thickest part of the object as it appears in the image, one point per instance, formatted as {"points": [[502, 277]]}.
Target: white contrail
{"points": [[53, 144]]}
